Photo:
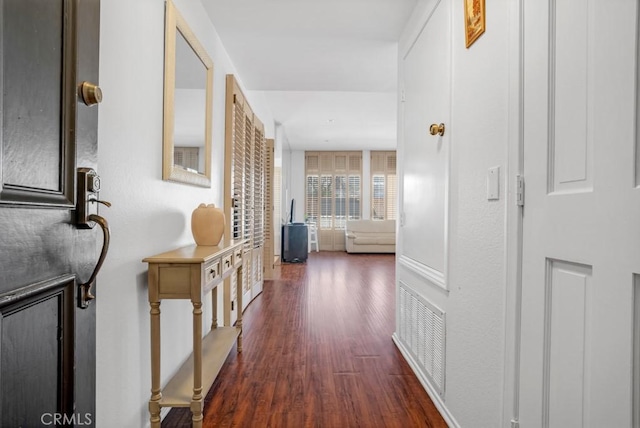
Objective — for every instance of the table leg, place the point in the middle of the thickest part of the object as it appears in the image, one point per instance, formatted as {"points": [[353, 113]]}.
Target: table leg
{"points": [[214, 308], [197, 400], [156, 392], [239, 292]]}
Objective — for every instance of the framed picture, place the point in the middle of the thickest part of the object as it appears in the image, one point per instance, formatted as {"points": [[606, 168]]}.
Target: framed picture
{"points": [[473, 20]]}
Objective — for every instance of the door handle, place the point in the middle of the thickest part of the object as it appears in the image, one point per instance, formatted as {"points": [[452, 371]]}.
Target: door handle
{"points": [[436, 129], [86, 296], [86, 218]]}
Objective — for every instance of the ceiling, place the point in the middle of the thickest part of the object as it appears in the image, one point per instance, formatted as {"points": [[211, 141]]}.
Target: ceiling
{"points": [[327, 68]]}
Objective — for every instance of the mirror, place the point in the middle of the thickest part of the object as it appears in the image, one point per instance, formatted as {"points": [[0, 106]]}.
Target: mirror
{"points": [[188, 90]]}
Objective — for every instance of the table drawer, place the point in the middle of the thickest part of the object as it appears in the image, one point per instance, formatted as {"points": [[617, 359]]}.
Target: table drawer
{"points": [[212, 271], [227, 263]]}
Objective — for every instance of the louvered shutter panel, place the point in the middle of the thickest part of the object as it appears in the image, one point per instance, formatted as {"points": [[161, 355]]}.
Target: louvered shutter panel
{"points": [[237, 175], [312, 162], [258, 187], [392, 187], [258, 184], [355, 192], [326, 162], [245, 183], [326, 201], [355, 186], [248, 181], [340, 201], [312, 198], [384, 185], [269, 177], [377, 197]]}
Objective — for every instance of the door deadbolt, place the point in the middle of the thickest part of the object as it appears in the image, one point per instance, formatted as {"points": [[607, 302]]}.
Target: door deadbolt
{"points": [[437, 129], [90, 93], [88, 198]]}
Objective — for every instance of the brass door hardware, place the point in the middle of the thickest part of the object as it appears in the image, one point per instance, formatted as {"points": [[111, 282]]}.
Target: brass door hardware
{"points": [[437, 129], [90, 93], [86, 218], [85, 296]]}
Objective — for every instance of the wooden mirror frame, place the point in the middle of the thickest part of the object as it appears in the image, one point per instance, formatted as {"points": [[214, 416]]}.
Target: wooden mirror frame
{"points": [[174, 22]]}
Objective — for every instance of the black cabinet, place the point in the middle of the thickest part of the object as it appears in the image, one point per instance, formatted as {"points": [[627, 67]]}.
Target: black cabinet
{"points": [[294, 243]]}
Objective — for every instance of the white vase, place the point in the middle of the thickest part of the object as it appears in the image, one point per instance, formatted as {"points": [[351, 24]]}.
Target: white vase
{"points": [[207, 224]]}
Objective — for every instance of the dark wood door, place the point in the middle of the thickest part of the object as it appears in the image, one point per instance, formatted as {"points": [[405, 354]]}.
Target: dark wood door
{"points": [[47, 342]]}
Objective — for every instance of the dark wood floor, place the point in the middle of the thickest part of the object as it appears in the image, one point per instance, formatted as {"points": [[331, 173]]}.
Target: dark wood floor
{"points": [[317, 352]]}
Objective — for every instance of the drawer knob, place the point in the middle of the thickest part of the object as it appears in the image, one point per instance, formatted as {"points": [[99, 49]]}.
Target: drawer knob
{"points": [[213, 273]]}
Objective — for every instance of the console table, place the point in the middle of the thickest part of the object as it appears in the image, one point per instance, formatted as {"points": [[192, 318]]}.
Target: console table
{"points": [[190, 273]]}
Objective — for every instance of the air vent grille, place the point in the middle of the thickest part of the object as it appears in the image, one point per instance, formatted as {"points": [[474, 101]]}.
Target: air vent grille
{"points": [[422, 330]]}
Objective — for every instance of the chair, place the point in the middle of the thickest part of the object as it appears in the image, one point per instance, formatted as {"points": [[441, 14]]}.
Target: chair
{"points": [[313, 236]]}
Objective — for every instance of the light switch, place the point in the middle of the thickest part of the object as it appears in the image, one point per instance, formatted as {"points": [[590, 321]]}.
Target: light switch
{"points": [[493, 183]]}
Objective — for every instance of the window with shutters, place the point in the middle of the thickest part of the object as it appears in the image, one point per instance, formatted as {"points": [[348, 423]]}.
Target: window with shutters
{"points": [[334, 188], [384, 187]]}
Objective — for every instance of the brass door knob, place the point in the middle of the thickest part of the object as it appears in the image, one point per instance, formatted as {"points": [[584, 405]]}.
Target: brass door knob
{"points": [[90, 93], [437, 129]]}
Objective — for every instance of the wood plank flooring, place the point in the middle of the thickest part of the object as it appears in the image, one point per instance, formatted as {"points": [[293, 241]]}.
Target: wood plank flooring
{"points": [[317, 352]]}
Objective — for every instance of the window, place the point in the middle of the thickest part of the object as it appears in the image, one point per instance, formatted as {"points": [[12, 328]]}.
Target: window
{"points": [[384, 186], [334, 189]]}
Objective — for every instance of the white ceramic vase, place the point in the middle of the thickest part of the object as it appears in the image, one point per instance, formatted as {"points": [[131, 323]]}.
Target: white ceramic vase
{"points": [[207, 224]]}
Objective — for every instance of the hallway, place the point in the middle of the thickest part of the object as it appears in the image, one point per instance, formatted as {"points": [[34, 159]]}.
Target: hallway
{"points": [[317, 352]]}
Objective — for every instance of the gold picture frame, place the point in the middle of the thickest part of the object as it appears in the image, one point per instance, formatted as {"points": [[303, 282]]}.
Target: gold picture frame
{"points": [[474, 22]]}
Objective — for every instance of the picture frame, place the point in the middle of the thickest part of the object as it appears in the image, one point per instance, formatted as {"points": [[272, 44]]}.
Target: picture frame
{"points": [[474, 20]]}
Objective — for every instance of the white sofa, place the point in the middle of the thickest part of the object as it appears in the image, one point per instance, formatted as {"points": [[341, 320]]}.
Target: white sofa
{"points": [[371, 236]]}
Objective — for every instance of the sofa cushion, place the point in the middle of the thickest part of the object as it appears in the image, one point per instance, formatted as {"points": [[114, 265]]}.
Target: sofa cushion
{"points": [[386, 240], [365, 240], [370, 226]]}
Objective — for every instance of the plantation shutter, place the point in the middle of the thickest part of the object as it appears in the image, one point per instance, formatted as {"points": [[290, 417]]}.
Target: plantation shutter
{"points": [[355, 186], [269, 211], [245, 181], [312, 197], [333, 194], [384, 186], [259, 161]]}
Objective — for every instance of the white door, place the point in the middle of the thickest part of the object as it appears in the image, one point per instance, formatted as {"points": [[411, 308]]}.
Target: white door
{"points": [[581, 247], [425, 157]]}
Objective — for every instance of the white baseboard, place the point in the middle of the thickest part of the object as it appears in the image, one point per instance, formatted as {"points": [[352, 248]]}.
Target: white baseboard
{"points": [[435, 397]]}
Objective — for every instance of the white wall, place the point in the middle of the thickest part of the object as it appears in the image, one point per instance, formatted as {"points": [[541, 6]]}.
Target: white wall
{"points": [[148, 215], [298, 183], [475, 304]]}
